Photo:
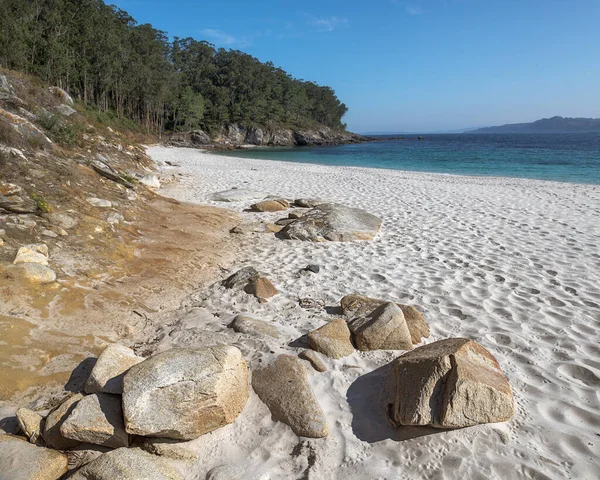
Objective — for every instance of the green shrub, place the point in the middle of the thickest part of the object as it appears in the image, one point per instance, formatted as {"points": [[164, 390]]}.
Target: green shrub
{"points": [[41, 202]]}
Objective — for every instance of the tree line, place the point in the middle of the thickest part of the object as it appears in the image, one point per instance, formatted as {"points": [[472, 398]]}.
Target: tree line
{"points": [[101, 55]]}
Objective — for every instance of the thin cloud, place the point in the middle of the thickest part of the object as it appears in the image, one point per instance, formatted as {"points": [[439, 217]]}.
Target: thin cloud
{"points": [[222, 38], [414, 10], [327, 24]]}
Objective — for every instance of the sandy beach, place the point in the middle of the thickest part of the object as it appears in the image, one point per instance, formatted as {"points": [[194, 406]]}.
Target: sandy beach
{"points": [[513, 264]]}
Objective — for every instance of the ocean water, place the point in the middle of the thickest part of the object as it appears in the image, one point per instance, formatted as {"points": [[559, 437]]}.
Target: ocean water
{"points": [[571, 157]]}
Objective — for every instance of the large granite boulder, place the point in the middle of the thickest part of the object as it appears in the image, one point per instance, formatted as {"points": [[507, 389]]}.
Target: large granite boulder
{"points": [[237, 195], [283, 386], [332, 339], [127, 464], [383, 329], [97, 419], [52, 434], [354, 306], [335, 223], [451, 383], [20, 460], [184, 393], [110, 368]]}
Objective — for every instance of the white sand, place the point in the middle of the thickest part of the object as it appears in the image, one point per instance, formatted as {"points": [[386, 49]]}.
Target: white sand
{"points": [[513, 264]]}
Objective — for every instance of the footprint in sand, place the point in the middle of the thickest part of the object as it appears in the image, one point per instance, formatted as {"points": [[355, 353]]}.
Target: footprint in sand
{"points": [[579, 374], [555, 302]]}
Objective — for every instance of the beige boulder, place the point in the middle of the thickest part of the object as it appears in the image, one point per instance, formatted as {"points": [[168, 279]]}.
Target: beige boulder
{"points": [[167, 447], [110, 368], [274, 205], [20, 460], [184, 393], [332, 339], [383, 329], [261, 288], [355, 305], [32, 254], [31, 423], [52, 435], [314, 359], [34, 273], [451, 383], [254, 327], [283, 386]]}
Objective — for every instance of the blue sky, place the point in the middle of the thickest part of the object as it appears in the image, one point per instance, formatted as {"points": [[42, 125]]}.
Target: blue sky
{"points": [[421, 65]]}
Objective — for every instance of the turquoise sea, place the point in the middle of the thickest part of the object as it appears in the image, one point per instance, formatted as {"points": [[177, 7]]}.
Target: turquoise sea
{"points": [[570, 157]]}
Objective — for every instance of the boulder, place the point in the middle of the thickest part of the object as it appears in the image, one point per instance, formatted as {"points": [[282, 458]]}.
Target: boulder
{"points": [[313, 358], [32, 254], [451, 383], [166, 447], [332, 339], [20, 460], [97, 419], [237, 195], [355, 305], [184, 393], [261, 288], [35, 273], [127, 464], [83, 454], [63, 220], [114, 218], [31, 423], [52, 435], [308, 202], [14, 199], [110, 368], [62, 95], [335, 223], [99, 202], [5, 86], [66, 110], [150, 181], [283, 386], [254, 327], [383, 329], [275, 205], [241, 278], [234, 472]]}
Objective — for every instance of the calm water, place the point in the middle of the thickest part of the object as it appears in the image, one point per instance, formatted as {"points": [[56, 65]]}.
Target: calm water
{"points": [[573, 157]]}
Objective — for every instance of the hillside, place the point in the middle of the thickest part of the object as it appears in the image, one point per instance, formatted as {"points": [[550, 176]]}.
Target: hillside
{"points": [[547, 125]]}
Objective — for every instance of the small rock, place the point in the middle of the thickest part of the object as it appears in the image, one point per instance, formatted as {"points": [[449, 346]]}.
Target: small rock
{"points": [[282, 222], [100, 203], [150, 181], [283, 386], [294, 215], [169, 448], [252, 326], [97, 419], [275, 205], [66, 110], [2, 233], [114, 218], [241, 277], [110, 368], [314, 359], [261, 288], [451, 383], [308, 202], [309, 303], [313, 268], [49, 233], [236, 195], [37, 253], [54, 421], [20, 460], [31, 423], [83, 454], [332, 339], [127, 464], [63, 220], [35, 273], [383, 329]]}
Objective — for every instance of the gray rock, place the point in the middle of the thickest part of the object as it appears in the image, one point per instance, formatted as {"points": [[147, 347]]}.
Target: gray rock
{"points": [[383, 329], [241, 278], [31, 423], [20, 460], [66, 110], [83, 454], [37, 253], [150, 181], [283, 386], [333, 222], [234, 472], [451, 383], [54, 421], [34, 273], [313, 268], [332, 339], [166, 447], [5, 86], [14, 199], [308, 202], [110, 368], [97, 419], [184, 393], [237, 195], [313, 358], [252, 326], [127, 464], [63, 220], [62, 95], [114, 218], [99, 202]]}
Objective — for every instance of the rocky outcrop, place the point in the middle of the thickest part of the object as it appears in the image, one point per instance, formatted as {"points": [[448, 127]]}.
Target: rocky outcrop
{"points": [[21, 460], [184, 393], [335, 223], [283, 386], [110, 368], [451, 383], [383, 329], [332, 339]]}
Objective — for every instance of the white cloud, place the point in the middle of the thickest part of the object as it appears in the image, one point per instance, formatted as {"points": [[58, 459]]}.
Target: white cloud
{"points": [[222, 38], [327, 24]]}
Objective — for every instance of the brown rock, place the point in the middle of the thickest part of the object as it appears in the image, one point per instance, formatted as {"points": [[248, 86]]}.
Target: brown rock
{"points": [[262, 289], [54, 421], [276, 205], [332, 339], [451, 383], [355, 305], [110, 368], [383, 329], [313, 358], [31, 423]]}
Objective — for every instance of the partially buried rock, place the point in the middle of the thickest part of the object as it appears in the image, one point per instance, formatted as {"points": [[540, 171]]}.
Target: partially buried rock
{"points": [[308, 202], [313, 268], [31, 423], [110, 368], [166, 447], [150, 181], [237, 195], [37, 253], [313, 358], [184, 393], [234, 472], [99, 202], [383, 329], [252, 326], [355, 305], [241, 277], [333, 222], [261, 288], [451, 383], [276, 205], [283, 386], [97, 419], [35, 273], [127, 464], [52, 435], [332, 339], [20, 460]]}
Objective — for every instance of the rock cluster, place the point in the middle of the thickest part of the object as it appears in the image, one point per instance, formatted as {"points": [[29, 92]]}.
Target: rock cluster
{"points": [[31, 264], [252, 283]]}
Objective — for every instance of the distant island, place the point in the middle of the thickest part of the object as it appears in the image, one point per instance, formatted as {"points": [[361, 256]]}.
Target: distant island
{"points": [[547, 125]]}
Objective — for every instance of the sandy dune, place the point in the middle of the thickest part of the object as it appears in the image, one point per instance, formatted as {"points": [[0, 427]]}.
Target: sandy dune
{"points": [[513, 264]]}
